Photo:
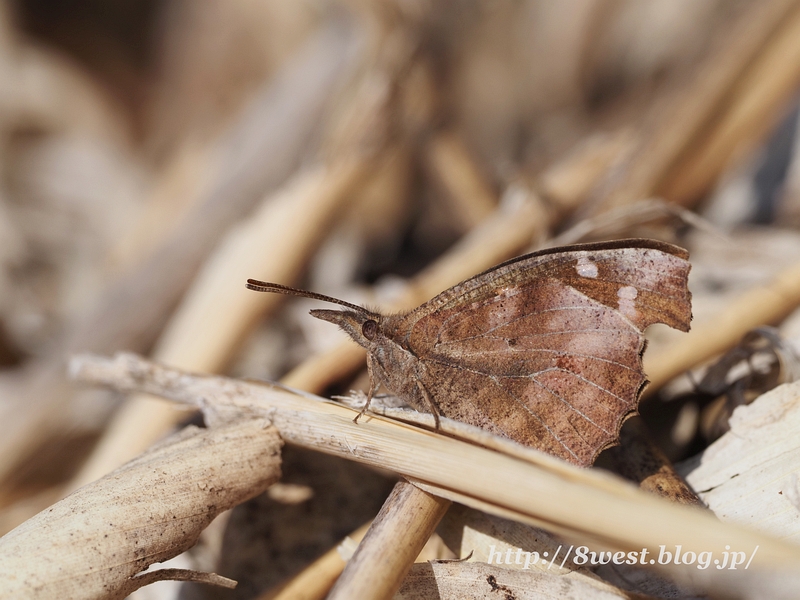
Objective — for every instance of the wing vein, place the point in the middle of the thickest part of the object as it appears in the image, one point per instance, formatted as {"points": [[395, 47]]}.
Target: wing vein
{"points": [[567, 403], [535, 416]]}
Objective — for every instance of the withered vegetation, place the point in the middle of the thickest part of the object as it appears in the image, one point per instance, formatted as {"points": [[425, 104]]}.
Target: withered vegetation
{"points": [[159, 154]]}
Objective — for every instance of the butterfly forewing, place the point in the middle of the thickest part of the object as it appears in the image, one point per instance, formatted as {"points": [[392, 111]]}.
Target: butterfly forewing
{"points": [[546, 349]]}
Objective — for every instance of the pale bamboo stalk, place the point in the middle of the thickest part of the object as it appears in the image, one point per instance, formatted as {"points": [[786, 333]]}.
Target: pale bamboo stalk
{"points": [[395, 538], [509, 229], [451, 164], [569, 182], [176, 192], [275, 246], [539, 489], [678, 117], [520, 219], [276, 243], [316, 580], [754, 107], [218, 311], [93, 543], [763, 305], [260, 149]]}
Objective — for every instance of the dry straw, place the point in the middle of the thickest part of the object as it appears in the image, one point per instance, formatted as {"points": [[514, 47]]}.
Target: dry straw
{"points": [[520, 483]]}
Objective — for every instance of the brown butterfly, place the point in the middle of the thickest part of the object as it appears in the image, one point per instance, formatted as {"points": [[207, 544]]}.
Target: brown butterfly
{"points": [[545, 349]]}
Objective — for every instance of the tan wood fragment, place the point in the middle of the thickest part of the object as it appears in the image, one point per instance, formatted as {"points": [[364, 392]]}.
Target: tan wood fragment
{"points": [[94, 542], [638, 458], [749, 475], [395, 538]]}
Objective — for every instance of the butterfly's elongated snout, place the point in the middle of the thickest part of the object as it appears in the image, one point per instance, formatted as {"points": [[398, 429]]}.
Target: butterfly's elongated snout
{"points": [[350, 321]]}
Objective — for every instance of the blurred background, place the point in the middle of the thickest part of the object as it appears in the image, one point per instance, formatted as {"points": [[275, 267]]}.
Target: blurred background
{"points": [[154, 154]]}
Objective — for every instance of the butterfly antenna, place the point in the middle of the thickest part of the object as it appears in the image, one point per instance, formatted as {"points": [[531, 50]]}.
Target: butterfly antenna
{"points": [[276, 288]]}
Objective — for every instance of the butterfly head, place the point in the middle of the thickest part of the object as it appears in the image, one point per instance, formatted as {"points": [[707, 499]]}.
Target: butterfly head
{"points": [[363, 326]]}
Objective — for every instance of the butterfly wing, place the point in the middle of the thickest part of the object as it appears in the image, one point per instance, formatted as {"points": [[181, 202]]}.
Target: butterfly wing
{"points": [[546, 349]]}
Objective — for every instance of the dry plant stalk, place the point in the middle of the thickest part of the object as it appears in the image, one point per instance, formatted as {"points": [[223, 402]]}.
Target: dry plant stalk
{"points": [[316, 580], [278, 240], [525, 485], [681, 115], [406, 521], [450, 163], [756, 104], [275, 243], [258, 153], [507, 545], [508, 229], [93, 543], [255, 154], [570, 181]]}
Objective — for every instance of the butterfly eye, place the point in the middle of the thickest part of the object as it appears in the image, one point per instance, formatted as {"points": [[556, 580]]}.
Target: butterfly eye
{"points": [[369, 329]]}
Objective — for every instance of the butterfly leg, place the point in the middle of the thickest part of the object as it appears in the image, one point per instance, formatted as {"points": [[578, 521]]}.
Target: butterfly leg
{"points": [[374, 384], [429, 402]]}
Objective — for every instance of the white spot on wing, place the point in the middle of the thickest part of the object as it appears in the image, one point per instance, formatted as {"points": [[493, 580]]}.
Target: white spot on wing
{"points": [[626, 296], [508, 305], [586, 268]]}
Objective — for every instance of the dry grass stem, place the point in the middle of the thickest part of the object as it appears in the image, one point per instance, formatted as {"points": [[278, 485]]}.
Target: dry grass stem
{"points": [[540, 490], [759, 100], [257, 153], [275, 243], [316, 580], [450, 163], [617, 222], [395, 538], [506, 544], [569, 182], [677, 118]]}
